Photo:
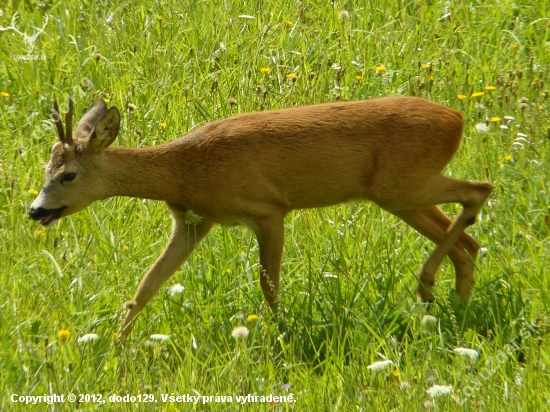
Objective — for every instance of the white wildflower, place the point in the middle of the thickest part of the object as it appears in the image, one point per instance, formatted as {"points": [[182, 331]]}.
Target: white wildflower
{"points": [[521, 134], [240, 332], [89, 337], [175, 290], [344, 14], [405, 386], [518, 379], [482, 128], [428, 323], [468, 353], [160, 337], [509, 118], [379, 365], [482, 251], [328, 275], [439, 390], [504, 127]]}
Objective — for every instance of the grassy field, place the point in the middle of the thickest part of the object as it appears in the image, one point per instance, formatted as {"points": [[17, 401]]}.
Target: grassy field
{"points": [[348, 277]]}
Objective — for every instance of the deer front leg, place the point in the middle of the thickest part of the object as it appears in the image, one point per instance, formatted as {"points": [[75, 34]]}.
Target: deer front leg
{"points": [[270, 235], [182, 242]]}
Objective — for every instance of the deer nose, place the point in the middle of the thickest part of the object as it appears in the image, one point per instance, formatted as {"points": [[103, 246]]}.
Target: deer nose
{"points": [[38, 213]]}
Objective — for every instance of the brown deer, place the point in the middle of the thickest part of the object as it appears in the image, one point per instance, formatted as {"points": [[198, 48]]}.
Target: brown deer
{"points": [[254, 168]]}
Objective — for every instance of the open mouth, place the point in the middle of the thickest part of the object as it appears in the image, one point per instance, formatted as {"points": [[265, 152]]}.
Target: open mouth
{"points": [[52, 216]]}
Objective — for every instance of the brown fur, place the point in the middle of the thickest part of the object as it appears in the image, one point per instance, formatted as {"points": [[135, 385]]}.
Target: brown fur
{"points": [[256, 167]]}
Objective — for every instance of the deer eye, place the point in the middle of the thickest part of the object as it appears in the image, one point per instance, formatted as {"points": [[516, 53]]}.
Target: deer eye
{"points": [[68, 177]]}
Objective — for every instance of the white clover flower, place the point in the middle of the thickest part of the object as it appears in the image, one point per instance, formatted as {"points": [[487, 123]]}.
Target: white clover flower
{"points": [[468, 353], [439, 390], [240, 332], [89, 337], [175, 290], [160, 337], [379, 365]]}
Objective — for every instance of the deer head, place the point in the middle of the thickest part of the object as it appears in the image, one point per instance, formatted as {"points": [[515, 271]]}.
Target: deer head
{"points": [[73, 175]]}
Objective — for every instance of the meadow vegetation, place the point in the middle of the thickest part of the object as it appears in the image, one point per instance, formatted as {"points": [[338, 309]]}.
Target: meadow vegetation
{"points": [[348, 295]]}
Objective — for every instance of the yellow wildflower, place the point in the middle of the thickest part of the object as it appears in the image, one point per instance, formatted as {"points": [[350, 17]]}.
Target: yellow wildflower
{"points": [[380, 69], [358, 78], [159, 18], [508, 157], [4, 94], [39, 233], [63, 334], [162, 124], [265, 70], [494, 119], [396, 373], [431, 78], [291, 76], [490, 88], [461, 97], [427, 66], [106, 100], [289, 23], [33, 192], [252, 318], [477, 94]]}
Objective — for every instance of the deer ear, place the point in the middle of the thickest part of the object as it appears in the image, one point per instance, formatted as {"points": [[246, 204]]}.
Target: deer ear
{"points": [[106, 130]]}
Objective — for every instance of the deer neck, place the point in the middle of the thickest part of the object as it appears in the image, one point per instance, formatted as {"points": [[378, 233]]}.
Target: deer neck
{"points": [[149, 173]]}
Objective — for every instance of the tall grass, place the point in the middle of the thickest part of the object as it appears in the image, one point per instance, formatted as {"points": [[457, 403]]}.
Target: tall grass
{"points": [[348, 286]]}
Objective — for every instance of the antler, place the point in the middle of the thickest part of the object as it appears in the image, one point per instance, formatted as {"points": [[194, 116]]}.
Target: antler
{"points": [[57, 119], [69, 122], [12, 26]]}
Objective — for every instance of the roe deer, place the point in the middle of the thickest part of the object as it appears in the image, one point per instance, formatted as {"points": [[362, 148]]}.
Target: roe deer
{"points": [[254, 168]]}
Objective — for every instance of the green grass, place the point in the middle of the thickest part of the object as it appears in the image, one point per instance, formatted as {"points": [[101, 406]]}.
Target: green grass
{"points": [[348, 286]]}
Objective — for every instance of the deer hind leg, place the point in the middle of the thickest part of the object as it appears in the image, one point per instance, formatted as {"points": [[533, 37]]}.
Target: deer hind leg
{"points": [[182, 242], [439, 189], [433, 223], [270, 235]]}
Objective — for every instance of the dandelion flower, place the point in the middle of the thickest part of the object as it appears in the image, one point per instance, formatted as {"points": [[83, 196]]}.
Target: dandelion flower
{"points": [[379, 365], [289, 23], [490, 88], [33, 192], [494, 119], [477, 94], [380, 69], [160, 337], [291, 76], [252, 318], [240, 332], [482, 128], [265, 70], [428, 323], [63, 334], [427, 66], [4, 94], [358, 78], [175, 290], [461, 97], [162, 124], [508, 157], [89, 337], [439, 390], [467, 353], [344, 14], [39, 233]]}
